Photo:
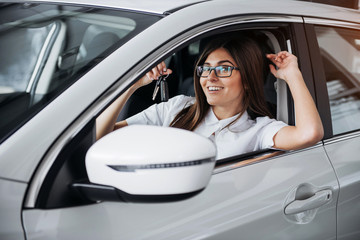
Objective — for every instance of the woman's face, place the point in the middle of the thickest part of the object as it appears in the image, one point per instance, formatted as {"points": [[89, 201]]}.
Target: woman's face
{"points": [[224, 94]]}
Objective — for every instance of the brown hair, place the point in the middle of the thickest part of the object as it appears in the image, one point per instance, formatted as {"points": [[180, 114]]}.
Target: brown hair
{"points": [[250, 61]]}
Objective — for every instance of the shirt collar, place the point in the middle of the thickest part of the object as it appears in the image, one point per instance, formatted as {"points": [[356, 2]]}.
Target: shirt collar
{"points": [[211, 119]]}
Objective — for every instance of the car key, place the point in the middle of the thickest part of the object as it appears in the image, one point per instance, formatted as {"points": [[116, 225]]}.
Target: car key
{"points": [[161, 84], [164, 90], [156, 90]]}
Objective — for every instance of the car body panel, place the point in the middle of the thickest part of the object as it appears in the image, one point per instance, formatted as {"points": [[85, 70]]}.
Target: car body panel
{"points": [[344, 154], [342, 149], [224, 210], [289, 7], [155, 6], [11, 199]]}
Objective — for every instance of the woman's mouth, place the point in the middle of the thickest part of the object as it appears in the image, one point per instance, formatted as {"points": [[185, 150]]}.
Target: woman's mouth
{"points": [[214, 89]]}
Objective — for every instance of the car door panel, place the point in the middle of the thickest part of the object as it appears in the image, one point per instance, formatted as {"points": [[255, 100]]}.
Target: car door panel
{"points": [[344, 155], [246, 202], [10, 209], [336, 56]]}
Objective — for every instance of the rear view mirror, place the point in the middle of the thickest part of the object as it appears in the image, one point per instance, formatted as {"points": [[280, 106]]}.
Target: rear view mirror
{"points": [[149, 163]]}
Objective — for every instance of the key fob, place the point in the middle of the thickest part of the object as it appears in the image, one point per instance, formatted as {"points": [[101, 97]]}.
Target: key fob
{"points": [[156, 90], [164, 91]]}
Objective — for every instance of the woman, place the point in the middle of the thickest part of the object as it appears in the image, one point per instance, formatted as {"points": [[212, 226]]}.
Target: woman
{"points": [[229, 105]]}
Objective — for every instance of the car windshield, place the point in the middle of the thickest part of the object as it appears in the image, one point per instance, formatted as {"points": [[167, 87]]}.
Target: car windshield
{"points": [[44, 48]]}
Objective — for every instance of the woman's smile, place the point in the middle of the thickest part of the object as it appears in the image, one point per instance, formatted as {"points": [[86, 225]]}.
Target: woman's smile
{"points": [[214, 89]]}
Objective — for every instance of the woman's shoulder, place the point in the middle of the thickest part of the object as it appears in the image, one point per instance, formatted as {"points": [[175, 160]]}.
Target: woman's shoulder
{"points": [[182, 97], [267, 121], [181, 100]]}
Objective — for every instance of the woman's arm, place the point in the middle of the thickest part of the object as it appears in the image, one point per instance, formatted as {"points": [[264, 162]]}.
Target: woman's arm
{"points": [[308, 128], [106, 122]]}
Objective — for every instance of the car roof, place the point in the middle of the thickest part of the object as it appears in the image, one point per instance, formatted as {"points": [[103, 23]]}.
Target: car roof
{"points": [[153, 6], [164, 7], [284, 7]]}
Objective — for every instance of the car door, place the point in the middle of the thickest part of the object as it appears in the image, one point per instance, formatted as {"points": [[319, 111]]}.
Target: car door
{"points": [[337, 54], [266, 195]]}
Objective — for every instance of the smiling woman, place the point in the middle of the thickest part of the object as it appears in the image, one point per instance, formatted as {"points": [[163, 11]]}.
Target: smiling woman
{"points": [[229, 105]]}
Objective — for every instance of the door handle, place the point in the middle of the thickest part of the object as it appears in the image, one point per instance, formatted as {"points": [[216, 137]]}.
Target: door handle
{"points": [[317, 200]]}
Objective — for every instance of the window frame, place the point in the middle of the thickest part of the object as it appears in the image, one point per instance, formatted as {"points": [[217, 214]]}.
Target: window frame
{"points": [[322, 97]]}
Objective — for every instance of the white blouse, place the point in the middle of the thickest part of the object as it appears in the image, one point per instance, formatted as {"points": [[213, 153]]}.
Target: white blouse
{"points": [[245, 135]]}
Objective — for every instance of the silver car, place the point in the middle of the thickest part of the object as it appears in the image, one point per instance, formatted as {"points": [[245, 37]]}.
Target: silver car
{"points": [[63, 62]]}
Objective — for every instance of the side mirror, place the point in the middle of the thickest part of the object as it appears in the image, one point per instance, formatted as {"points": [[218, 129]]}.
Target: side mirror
{"points": [[148, 163]]}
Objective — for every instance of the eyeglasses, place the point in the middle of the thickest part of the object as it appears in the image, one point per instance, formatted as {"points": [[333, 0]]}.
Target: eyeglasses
{"points": [[220, 71]]}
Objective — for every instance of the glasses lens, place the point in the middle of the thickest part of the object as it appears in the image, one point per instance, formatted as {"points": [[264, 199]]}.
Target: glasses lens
{"points": [[199, 70], [205, 71], [223, 71], [220, 71]]}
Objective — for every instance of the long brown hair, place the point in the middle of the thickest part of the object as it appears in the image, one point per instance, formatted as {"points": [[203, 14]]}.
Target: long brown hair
{"points": [[250, 61]]}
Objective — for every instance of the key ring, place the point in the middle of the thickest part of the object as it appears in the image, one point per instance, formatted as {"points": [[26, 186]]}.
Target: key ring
{"points": [[164, 77]]}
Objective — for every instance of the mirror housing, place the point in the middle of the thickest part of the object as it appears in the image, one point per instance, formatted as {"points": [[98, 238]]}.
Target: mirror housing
{"points": [[146, 163]]}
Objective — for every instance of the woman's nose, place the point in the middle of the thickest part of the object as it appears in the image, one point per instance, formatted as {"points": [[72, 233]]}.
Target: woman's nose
{"points": [[212, 75]]}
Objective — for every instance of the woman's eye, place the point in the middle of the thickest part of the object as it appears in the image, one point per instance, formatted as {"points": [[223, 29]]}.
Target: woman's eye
{"points": [[206, 69], [223, 69]]}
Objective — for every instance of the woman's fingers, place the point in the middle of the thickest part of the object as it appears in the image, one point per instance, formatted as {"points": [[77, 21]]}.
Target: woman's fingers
{"points": [[273, 70], [155, 72], [150, 76], [162, 67], [285, 63], [278, 56], [159, 70], [274, 59], [282, 59]]}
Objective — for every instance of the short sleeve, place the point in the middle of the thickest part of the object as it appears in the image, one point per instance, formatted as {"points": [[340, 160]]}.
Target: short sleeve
{"points": [[271, 127], [161, 114]]}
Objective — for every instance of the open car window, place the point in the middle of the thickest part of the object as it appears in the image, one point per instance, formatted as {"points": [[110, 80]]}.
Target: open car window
{"points": [[46, 48], [181, 82]]}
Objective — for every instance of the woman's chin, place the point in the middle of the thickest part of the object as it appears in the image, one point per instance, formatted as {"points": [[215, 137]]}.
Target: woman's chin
{"points": [[212, 102]]}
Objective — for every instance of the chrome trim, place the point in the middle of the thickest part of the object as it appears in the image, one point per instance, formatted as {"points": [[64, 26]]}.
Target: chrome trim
{"points": [[342, 137], [120, 86], [333, 23], [261, 158], [249, 161], [134, 168]]}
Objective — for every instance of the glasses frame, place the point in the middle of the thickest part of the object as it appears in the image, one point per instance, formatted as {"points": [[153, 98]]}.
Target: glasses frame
{"points": [[199, 70]]}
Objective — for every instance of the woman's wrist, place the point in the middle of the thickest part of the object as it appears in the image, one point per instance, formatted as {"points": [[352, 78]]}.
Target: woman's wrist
{"points": [[293, 75]]}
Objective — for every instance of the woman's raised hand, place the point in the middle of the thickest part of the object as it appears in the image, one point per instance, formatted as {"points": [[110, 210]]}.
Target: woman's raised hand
{"points": [[153, 74], [106, 122], [286, 63]]}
